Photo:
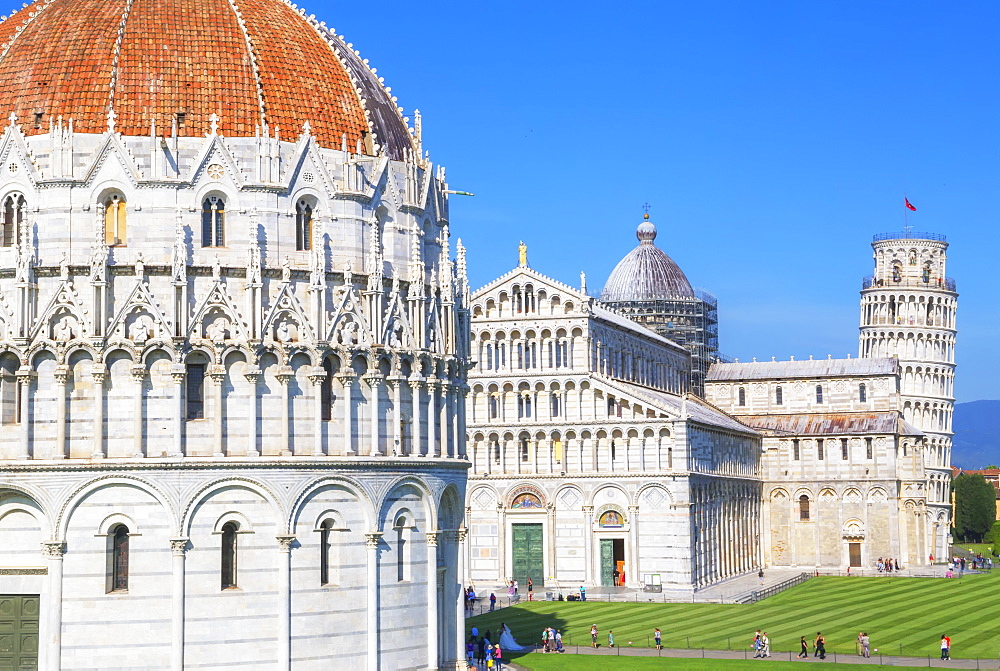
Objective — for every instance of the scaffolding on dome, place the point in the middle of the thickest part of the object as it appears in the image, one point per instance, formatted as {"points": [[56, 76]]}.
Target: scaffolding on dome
{"points": [[689, 321]]}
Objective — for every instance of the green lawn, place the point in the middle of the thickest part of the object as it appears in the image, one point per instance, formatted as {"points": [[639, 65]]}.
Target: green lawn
{"points": [[984, 548], [901, 615], [540, 662]]}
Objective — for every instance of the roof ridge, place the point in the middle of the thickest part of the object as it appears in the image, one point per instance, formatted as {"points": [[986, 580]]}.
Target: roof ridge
{"points": [[116, 57], [254, 67], [515, 269]]}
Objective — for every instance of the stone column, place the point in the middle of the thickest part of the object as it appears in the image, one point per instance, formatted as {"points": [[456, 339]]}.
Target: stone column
{"points": [[51, 645], [178, 548], [138, 425], [550, 559], [218, 375], [395, 432], [633, 578], [458, 600], [285, 375], [432, 600], [285, 542], [347, 379], [62, 377], [502, 541], [252, 374], [317, 376], [178, 372], [415, 448], [588, 544], [374, 382], [99, 374], [24, 378], [433, 447], [447, 446], [461, 400], [372, 541]]}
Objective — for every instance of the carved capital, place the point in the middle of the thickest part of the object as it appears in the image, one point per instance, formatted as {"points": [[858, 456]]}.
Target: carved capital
{"points": [[285, 374], [99, 374], [252, 374], [138, 373], [374, 379], [416, 384], [53, 549], [25, 375], [62, 374], [588, 510], [179, 546], [373, 539], [633, 510], [217, 373], [285, 542], [317, 375], [347, 377], [432, 538]]}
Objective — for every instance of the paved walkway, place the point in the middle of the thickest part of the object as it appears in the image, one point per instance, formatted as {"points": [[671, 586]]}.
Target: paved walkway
{"points": [[931, 662]]}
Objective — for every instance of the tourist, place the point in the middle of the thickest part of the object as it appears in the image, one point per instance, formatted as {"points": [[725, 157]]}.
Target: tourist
{"points": [[497, 657], [611, 638], [481, 651], [515, 587], [760, 577], [531, 588], [945, 647], [559, 645], [593, 636], [583, 593], [510, 589], [617, 576], [756, 643], [470, 649], [857, 642], [865, 645], [820, 646], [545, 639], [765, 645], [803, 648], [493, 601], [656, 637]]}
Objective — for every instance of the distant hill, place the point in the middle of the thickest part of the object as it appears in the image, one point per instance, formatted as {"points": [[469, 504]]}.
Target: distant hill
{"points": [[977, 438]]}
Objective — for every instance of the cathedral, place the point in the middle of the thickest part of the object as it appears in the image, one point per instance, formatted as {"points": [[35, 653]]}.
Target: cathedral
{"points": [[233, 348], [597, 461]]}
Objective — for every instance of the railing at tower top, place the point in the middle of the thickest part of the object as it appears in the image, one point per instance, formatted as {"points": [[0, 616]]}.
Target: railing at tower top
{"points": [[909, 235], [945, 283]]}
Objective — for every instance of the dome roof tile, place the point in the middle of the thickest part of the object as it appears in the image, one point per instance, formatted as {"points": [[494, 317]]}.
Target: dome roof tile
{"points": [[153, 59]]}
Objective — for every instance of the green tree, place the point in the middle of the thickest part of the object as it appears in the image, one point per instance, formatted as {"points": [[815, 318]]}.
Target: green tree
{"points": [[975, 506]]}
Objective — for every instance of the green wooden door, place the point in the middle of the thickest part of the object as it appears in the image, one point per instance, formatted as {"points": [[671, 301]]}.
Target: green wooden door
{"points": [[527, 554], [19, 632], [607, 561]]}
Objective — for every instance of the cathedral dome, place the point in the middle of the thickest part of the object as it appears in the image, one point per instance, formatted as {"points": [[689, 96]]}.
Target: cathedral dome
{"points": [[253, 64], [646, 273]]}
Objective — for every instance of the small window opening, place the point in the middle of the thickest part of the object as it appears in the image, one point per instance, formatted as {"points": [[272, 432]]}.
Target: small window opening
{"points": [[196, 391], [303, 226], [118, 559], [325, 549], [868, 448], [742, 397], [778, 396], [213, 217], [843, 449], [819, 393], [804, 508], [795, 449], [181, 119], [229, 548], [38, 119], [862, 393], [819, 449]]}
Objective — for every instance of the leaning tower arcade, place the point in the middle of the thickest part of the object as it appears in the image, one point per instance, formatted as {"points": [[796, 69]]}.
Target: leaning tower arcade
{"points": [[908, 311]]}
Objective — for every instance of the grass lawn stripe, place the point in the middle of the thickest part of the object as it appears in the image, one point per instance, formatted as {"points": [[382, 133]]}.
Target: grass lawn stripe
{"points": [[912, 612]]}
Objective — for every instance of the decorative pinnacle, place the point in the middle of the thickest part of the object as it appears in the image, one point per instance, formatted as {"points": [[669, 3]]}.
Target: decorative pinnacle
{"points": [[645, 208]]}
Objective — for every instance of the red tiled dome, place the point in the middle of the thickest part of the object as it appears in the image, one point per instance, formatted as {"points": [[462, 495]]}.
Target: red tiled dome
{"points": [[245, 60]]}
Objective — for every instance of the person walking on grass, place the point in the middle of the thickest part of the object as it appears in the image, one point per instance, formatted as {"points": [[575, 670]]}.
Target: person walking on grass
{"points": [[945, 647], [820, 646], [593, 636], [804, 649], [756, 643], [657, 638], [611, 638], [765, 645], [865, 645]]}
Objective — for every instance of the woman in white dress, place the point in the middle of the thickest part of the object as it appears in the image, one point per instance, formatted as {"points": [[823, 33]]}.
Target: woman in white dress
{"points": [[507, 641]]}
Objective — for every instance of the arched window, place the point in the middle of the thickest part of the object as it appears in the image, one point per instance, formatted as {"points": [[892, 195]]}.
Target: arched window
{"points": [[862, 393], [844, 452], [325, 550], [496, 451], [804, 507], [303, 226], [795, 449], [114, 221], [555, 405], [524, 449], [778, 397], [326, 391], [13, 218], [228, 563], [118, 559], [213, 222], [742, 397], [819, 393], [402, 549]]}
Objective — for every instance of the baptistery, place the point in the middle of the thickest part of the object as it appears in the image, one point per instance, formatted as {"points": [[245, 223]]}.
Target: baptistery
{"points": [[233, 344]]}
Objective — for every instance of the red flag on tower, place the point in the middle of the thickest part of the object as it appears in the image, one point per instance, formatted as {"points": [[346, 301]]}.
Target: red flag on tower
{"points": [[909, 205]]}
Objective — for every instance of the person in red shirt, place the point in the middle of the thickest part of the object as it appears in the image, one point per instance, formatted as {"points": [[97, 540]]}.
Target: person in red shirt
{"points": [[945, 647]]}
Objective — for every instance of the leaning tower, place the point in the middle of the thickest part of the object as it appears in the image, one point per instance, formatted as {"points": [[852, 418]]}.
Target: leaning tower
{"points": [[908, 311]]}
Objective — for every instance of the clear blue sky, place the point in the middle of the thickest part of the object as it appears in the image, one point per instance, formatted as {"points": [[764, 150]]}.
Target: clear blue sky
{"points": [[772, 139]]}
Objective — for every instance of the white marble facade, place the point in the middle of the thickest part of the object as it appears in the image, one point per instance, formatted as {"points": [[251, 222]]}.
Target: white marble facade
{"points": [[251, 331], [579, 425]]}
